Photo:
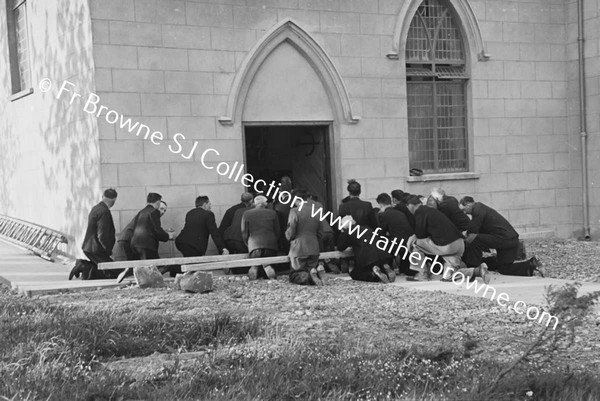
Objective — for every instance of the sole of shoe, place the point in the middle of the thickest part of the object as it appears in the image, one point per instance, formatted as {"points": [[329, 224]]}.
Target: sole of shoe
{"points": [[484, 273], [253, 273], [390, 273], [322, 275], [315, 278], [122, 275], [382, 276], [270, 273]]}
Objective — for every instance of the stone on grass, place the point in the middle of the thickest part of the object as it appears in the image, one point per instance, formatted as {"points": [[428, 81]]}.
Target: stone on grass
{"points": [[148, 277], [197, 282]]}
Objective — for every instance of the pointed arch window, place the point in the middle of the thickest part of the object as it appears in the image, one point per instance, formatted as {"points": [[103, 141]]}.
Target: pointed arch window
{"points": [[436, 77]]}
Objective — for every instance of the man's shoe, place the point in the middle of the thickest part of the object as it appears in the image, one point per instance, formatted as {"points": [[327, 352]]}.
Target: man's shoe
{"points": [[390, 272], [483, 273], [315, 277], [382, 276], [420, 276], [333, 267], [536, 267], [253, 273], [270, 272], [322, 275], [122, 275]]}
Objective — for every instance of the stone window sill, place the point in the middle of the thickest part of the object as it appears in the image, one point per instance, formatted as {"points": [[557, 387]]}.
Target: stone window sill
{"points": [[21, 94], [443, 177]]}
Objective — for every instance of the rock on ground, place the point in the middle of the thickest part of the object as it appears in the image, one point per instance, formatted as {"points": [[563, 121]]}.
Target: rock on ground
{"points": [[197, 282], [148, 277]]}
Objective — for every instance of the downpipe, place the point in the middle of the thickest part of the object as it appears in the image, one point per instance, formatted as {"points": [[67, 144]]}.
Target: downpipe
{"points": [[582, 121]]}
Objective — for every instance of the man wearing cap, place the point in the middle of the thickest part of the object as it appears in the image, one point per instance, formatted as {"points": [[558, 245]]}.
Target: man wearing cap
{"points": [[304, 231], [100, 233], [260, 232]]}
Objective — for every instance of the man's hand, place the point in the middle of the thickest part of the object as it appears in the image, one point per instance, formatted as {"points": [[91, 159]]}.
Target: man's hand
{"points": [[225, 251], [411, 241]]}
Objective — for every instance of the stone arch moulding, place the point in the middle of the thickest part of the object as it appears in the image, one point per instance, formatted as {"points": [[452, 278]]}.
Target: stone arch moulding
{"points": [[288, 30], [467, 21]]}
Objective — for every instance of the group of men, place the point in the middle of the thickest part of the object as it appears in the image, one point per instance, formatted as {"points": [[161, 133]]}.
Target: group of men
{"points": [[437, 226]]}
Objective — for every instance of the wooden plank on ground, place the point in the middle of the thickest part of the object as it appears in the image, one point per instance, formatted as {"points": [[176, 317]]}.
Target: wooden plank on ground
{"points": [[256, 261], [170, 261]]}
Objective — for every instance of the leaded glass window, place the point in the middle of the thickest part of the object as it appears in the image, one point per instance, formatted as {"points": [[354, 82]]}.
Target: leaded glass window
{"points": [[436, 80], [18, 45]]}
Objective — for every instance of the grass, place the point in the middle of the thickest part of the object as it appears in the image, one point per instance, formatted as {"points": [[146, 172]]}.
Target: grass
{"points": [[56, 352]]}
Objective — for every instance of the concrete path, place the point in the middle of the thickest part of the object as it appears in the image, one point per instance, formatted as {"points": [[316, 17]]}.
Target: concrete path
{"points": [[530, 290], [32, 275]]}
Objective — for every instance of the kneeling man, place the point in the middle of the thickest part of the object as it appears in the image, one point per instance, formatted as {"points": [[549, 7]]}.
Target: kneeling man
{"points": [[435, 234], [370, 262], [304, 231]]}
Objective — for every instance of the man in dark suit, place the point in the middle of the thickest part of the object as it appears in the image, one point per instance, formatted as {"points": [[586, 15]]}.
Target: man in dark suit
{"points": [[227, 220], [450, 207], [100, 233], [370, 262], [99, 240], [394, 224], [304, 231], [260, 231], [361, 211], [148, 231], [199, 223], [488, 229]]}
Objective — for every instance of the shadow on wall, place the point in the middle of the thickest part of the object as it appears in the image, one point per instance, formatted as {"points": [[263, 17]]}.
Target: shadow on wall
{"points": [[71, 157], [9, 157]]}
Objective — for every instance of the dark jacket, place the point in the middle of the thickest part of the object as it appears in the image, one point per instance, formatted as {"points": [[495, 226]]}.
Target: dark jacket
{"points": [[199, 224], [234, 231], [227, 220], [365, 255], [361, 211], [488, 221], [304, 231], [260, 229], [394, 224], [100, 233], [127, 233], [409, 216], [432, 223], [449, 206], [147, 231]]}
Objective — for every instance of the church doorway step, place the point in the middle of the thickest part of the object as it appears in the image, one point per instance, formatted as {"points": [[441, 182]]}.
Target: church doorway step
{"points": [[301, 152]]}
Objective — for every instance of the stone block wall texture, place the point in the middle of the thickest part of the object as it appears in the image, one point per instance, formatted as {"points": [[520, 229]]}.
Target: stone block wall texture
{"points": [[49, 163], [173, 63]]}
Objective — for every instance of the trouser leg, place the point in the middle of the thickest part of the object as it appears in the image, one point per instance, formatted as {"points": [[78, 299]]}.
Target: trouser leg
{"points": [[523, 268]]}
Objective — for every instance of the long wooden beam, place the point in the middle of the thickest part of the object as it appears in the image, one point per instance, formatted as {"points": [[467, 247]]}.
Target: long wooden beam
{"points": [[170, 261], [217, 265]]}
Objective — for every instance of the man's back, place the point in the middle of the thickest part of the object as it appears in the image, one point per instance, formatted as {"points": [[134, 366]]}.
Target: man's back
{"points": [[199, 224], [395, 224], [361, 211], [260, 228], [488, 221], [304, 230], [148, 231], [449, 206], [227, 219], [100, 233], [234, 231], [432, 223]]}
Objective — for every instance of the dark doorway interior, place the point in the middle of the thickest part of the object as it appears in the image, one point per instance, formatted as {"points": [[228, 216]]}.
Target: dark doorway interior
{"points": [[298, 151]]}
